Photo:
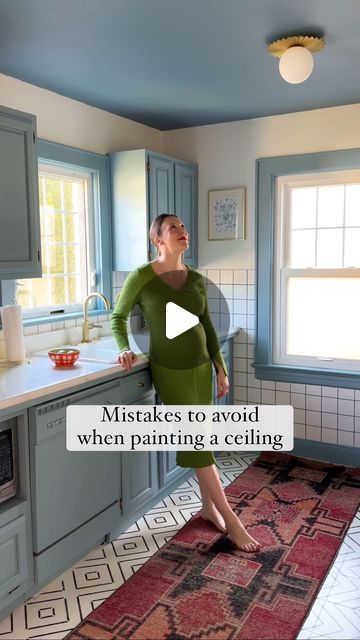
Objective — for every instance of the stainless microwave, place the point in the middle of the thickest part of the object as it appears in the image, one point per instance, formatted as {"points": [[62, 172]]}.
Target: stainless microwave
{"points": [[8, 459]]}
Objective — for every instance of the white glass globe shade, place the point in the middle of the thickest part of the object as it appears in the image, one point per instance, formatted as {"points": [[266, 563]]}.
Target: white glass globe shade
{"points": [[296, 65]]}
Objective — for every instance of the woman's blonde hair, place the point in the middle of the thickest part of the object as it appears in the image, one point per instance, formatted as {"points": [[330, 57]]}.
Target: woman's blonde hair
{"points": [[155, 228]]}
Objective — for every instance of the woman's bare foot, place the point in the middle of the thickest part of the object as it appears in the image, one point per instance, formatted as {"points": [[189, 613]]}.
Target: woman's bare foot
{"points": [[212, 514], [240, 538]]}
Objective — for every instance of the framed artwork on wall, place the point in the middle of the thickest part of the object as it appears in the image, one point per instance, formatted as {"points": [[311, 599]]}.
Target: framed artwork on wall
{"points": [[227, 214]]}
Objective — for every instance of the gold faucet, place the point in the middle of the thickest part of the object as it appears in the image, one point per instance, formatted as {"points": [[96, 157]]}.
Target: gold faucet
{"points": [[86, 325]]}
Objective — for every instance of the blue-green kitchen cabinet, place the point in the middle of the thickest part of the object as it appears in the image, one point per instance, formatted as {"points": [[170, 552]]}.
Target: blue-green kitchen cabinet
{"points": [[143, 185], [16, 570], [20, 248], [139, 469], [168, 469], [143, 480]]}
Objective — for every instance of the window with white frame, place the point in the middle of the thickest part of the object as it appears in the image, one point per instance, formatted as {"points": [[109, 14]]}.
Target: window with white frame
{"points": [[67, 243], [317, 270]]}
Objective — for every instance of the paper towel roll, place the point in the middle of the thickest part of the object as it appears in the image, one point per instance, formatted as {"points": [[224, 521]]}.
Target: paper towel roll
{"points": [[11, 318]]}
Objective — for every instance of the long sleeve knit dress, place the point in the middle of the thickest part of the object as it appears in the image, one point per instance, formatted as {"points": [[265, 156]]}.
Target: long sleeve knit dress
{"points": [[181, 367]]}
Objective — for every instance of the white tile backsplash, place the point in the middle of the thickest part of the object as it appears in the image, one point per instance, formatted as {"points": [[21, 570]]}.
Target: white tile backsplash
{"points": [[282, 386], [346, 423], [347, 394], [297, 388], [313, 418], [313, 390], [239, 292], [329, 436], [214, 275], [347, 407], [299, 430], [299, 416], [240, 306], [282, 397], [267, 396], [297, 400], [346, 438], [226, 290], [313, 433], [329, 420], [240, 276], [329, 391], [313, 403], [329, 404], [226, 276]]}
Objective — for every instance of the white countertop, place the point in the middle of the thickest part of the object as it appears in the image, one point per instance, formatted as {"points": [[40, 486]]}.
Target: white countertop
{"points": [[23, 383], [39, 379]]}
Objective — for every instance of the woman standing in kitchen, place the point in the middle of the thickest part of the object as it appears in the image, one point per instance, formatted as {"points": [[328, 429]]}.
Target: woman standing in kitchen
{"points": [[181, 368]]}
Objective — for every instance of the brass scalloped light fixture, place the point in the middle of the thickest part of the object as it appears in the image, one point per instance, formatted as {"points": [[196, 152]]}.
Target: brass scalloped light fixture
{"points": [[295, 53]]}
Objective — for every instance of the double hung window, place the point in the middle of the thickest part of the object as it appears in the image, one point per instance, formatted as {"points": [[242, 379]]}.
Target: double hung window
{"points": [[308, 269], [317, 270], [67, 243]]}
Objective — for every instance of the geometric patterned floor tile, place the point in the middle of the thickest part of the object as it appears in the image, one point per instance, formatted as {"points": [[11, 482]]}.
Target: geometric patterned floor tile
{"points": [[87, 602], [52, 613], [128, 568]]}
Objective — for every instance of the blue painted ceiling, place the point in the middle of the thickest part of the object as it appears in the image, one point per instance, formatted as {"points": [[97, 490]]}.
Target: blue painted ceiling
{"points": [[180, 63]]}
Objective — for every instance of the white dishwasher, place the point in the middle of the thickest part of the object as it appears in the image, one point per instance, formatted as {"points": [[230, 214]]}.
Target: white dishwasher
{"points": [[75, 495]]}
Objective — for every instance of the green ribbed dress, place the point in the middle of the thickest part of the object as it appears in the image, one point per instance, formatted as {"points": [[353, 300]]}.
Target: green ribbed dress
{"points": [[181, 367]]}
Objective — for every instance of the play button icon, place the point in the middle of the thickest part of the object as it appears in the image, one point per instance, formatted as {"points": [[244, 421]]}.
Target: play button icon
{"points": [[181, 320], [178, 320]]}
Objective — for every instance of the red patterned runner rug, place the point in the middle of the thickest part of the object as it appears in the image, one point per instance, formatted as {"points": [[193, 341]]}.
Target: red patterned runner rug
{"points": [[199, 586]]}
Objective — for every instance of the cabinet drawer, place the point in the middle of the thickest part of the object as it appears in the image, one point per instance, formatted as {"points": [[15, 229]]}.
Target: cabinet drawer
{"points": [[135, 386], [13, 558], [108, 393]]}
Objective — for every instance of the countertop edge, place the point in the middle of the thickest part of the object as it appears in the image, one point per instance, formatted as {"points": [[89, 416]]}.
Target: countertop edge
{"points": [[101, 373]]}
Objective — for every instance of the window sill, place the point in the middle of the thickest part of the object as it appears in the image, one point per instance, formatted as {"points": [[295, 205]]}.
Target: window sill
{"points": [[302, 375], [62, 317]]}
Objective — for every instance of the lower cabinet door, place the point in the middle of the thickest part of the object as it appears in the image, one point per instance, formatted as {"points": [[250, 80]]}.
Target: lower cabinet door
{"points": [[169, 470], [139, 470], [13, 555]]}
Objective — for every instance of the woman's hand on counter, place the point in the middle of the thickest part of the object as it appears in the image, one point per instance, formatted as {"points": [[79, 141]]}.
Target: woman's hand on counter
{"points": [[127, 359], [222, 381]]}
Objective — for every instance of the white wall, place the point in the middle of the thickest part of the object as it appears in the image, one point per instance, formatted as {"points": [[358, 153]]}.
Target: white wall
{"points": [[74, 123], [226, 156]]}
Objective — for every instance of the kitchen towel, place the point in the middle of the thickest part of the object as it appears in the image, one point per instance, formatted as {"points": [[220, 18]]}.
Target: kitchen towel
{"points": [[11, 318]]}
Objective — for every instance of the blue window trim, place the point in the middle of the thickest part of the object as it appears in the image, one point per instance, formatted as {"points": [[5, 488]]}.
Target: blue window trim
{"points": [[99, 165], [267, 170]]}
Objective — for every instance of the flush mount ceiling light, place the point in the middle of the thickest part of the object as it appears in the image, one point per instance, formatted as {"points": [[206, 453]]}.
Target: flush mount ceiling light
{"points": [[296, 59]]}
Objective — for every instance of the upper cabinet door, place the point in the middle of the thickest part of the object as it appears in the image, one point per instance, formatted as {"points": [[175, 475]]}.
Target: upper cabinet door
{"points": [[19, 203], [161, 189], [186, 206], [161, 185]]}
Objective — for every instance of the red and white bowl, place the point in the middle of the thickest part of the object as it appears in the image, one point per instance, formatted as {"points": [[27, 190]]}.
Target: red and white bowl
{"points": [[64, 357]]}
